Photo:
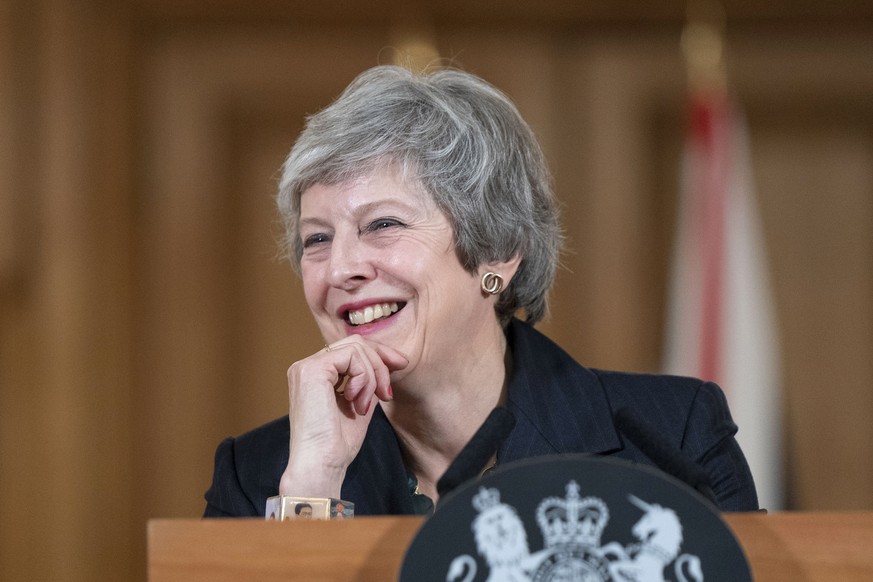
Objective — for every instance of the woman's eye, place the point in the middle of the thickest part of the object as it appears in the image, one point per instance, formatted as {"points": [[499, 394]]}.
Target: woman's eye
{"points": [[382, 223], [315, 239]]}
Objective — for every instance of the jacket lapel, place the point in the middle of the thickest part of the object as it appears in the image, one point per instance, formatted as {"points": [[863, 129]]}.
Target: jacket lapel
{"points": [[376, 480], [560, 407]]}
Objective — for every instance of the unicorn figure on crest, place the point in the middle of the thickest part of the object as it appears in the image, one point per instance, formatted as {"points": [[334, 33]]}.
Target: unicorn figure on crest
{"points": [[660, 536]]}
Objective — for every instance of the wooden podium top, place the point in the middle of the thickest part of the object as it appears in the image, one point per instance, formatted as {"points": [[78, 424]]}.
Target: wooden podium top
{"points": [[799, 547]]}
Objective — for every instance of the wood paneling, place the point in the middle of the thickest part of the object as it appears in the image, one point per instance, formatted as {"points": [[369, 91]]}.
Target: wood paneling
{"points": [[503, 12], [145, 315], [819, 183], [66, 325]]}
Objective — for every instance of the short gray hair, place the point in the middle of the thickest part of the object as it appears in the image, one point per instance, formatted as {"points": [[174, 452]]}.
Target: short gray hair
{"points": [[469, 148]]}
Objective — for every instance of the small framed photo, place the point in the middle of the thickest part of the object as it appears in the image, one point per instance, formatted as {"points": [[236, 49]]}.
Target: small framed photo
{"points": [[306, 508]]}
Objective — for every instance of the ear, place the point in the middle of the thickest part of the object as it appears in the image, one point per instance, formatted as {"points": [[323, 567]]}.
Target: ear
{"points": [[506, 269]]}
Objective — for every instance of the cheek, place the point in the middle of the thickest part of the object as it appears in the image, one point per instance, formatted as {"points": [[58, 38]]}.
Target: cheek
{"points": [[313, 287]]}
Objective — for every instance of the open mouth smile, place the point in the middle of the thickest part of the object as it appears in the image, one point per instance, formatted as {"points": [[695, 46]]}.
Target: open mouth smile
{"points": [[373, 313]]}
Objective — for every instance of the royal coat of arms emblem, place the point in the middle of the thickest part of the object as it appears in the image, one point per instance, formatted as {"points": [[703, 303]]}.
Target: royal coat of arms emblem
{"points": [[579, 518], [572, 528]]}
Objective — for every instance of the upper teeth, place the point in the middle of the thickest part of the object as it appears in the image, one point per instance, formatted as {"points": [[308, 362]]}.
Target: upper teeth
{"points": [[372, 312]]}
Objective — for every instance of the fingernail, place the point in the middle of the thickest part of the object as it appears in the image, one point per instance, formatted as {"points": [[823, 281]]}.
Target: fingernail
{"points": [[369, 404], [390, 392]]}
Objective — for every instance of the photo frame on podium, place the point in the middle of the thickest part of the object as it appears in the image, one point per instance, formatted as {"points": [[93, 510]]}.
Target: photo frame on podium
{"points": [[286, 507]]}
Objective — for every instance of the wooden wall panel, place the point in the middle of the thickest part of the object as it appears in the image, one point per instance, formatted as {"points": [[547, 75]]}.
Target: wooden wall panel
{"points": [[812, 122], [620, 88], [8, 109], [18, 353], [82, 289], [66, 328], [271, 321], [820, 190], [144, 315]]}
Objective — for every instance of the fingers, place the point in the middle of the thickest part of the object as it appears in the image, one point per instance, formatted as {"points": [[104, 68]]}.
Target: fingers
{"points": [[327, 427], [363, 370], [391, 357]]}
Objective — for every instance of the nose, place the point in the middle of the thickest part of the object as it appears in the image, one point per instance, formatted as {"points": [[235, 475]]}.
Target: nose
{"points": [[350, 263]]}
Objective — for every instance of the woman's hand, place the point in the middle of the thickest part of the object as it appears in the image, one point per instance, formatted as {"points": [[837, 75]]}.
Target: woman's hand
{"points": [[328, 427]]}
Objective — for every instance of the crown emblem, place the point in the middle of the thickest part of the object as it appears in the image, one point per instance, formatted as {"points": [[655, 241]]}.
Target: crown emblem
{"points": [[486, 499], [572, 520]]}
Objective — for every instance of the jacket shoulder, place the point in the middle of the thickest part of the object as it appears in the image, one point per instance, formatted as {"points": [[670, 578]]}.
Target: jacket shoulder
{"points": [[680, 407], [248, 469], [635, 388]]}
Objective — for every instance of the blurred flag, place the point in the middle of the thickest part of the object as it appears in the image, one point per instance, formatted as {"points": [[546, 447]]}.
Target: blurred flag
{"points": [[721, 321]]}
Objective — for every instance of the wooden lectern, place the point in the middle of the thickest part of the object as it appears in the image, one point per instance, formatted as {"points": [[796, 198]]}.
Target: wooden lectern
{"points": [[796, 547]]}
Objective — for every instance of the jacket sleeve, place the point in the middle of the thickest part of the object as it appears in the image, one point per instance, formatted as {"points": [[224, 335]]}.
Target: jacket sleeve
{"points": [[709, 438], [226, 497]]}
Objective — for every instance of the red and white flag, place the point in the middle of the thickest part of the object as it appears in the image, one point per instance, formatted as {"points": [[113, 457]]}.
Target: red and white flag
{"points": [[721, 319]]}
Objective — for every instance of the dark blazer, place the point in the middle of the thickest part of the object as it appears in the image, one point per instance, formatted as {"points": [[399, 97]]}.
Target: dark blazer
{"points": [[559, 406]]}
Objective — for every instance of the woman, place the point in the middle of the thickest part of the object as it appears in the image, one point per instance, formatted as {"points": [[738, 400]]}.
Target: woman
{"points": [[419, 212]]}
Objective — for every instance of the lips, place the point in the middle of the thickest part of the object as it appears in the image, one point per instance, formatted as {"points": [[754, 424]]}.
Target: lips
{"points": [[372, 313]]}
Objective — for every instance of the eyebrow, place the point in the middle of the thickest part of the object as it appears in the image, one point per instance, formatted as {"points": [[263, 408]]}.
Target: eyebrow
{"points": [[361, 211], [313, 222]]}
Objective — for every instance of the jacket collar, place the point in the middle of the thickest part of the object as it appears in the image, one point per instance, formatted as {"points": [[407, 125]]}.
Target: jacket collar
{"points": [[559, 406]]}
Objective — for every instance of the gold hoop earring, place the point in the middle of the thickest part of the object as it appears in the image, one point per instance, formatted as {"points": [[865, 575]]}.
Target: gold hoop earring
{"points": [[492, 283]]}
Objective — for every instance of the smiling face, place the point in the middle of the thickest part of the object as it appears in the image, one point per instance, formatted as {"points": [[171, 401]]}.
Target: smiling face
{"points": [[379, 261]]}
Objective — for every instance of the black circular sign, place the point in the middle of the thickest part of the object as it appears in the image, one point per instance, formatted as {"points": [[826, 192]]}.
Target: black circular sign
{"points": [[579, 518]]}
